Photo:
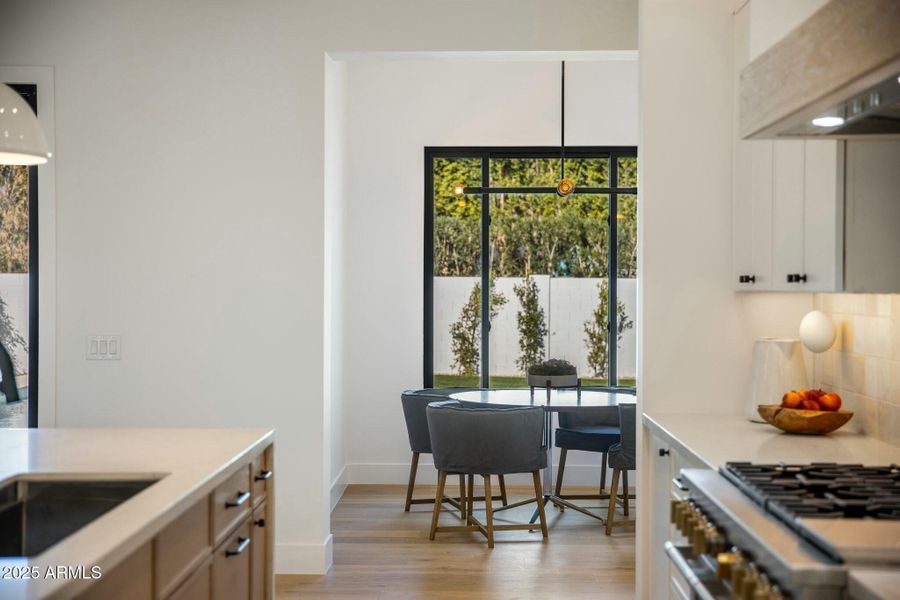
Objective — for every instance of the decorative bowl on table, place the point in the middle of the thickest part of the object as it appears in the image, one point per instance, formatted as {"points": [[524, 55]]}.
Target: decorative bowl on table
{"points": [[795, 420]]}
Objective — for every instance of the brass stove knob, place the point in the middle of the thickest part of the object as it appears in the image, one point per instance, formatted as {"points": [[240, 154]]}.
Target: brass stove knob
{"points": [[724, 563], [738, 571], [699, 539], [751, 581]]}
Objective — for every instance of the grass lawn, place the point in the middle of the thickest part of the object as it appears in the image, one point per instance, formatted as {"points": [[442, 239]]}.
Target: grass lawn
{"points": [[442, 380]]}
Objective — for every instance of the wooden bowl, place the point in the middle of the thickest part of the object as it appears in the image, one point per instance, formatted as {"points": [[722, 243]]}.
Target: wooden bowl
{"points": [[794, 420]]}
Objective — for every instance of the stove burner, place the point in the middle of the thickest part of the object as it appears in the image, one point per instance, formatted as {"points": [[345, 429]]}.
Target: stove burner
{"points": [[820, 490]]}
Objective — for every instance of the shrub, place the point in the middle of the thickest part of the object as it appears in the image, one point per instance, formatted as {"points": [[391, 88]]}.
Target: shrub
{"points": [[531, 324], [598, 335], [465, 333]]}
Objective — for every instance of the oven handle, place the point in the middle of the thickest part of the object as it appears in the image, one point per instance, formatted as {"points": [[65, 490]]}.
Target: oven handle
{"points": [[685, 569]]}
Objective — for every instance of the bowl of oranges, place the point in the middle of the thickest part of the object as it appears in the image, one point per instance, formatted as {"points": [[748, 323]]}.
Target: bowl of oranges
{"points": [[806, 412]]}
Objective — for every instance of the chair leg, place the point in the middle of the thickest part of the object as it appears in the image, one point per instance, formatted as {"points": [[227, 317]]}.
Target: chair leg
{"points": [[470, 496], [625, 492], [502, 489], [462, 497], [563, 452], [489, 510], [438, 502], [538, 495], [412, 480], [602, 472], [611, 512]]}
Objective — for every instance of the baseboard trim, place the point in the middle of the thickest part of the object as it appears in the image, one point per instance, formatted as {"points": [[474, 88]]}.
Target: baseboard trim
{"points": [[304, 559], [338, 487], [398, 473]]}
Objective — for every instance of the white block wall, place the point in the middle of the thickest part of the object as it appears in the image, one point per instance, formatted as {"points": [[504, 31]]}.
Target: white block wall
{"points": [[567, 302]]}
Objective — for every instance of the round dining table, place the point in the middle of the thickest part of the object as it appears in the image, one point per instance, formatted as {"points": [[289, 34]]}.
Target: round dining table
{"points": [[551, 400]]}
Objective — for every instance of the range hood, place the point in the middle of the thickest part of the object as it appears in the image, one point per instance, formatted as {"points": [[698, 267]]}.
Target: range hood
{"points": [[837, 75]]}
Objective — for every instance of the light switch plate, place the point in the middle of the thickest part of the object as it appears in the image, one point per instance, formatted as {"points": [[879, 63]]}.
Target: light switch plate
{"points": [[103, 347]]}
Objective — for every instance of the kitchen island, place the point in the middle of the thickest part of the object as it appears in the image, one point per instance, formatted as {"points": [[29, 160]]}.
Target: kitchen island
{"points": [[672, 442], [200, 527]]}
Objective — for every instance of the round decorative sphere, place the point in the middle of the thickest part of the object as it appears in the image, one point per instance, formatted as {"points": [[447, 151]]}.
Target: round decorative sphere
{"points": [[817, 331]]}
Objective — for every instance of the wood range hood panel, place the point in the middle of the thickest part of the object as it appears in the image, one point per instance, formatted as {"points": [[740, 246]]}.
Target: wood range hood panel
{"points": [[846, 49]]}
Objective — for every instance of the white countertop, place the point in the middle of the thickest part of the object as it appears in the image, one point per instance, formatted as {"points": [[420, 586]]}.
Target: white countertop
{"points": [[717, 439], [190, 462]]}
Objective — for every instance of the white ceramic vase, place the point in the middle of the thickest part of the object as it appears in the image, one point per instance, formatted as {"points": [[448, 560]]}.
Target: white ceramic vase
{"points": [[778, 367]]}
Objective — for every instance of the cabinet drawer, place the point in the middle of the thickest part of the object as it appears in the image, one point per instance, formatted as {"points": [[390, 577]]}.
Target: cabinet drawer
{"points": [[132, 578], [260, 475], [231, 566], [198, 586], [230, 503], [258, 550], [181, 547]]}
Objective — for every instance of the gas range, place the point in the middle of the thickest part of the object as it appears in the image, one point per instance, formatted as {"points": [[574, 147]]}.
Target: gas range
{"points": [[784, 531]]}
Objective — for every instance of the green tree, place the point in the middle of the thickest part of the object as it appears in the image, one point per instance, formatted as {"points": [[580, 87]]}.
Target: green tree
{"points": [[597, 332], [10, 336], [531, 324], [465, 333], [13, 219]]}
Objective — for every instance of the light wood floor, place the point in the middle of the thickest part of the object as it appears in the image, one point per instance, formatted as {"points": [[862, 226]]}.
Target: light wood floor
{"points": [[382, 552]]}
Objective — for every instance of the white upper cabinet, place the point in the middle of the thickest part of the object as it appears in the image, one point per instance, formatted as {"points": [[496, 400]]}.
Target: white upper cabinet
{"points": [[787, 201]]}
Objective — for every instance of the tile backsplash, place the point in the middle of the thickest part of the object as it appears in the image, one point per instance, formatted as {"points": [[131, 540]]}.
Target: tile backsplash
{"points": [[863, 365]]}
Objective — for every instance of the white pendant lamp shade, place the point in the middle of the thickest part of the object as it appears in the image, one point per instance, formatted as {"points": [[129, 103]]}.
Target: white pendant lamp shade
{"points": [[22, 139], [817, 331]]}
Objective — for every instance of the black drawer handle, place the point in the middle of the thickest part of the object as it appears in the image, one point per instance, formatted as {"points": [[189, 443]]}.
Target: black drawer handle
{"points": [[242, 545], [260, 522], [263, 475], [242, 497], [747, 279], [796, 278], [663, 452]]}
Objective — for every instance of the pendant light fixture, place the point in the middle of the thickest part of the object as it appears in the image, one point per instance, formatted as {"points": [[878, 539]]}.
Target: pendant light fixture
{"points": [[22, 139], [566, 185]]}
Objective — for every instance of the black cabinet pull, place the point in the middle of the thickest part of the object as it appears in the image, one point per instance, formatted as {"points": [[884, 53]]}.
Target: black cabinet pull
{"points": [[242, 545], [663, 452], [241, 498], [262, 476], [747, 279], [260, 522], [796, 278]]}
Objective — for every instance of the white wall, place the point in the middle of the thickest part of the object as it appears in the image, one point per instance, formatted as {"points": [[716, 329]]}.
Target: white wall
{"points": [[190, 178], [695, 334], [396, 109]]}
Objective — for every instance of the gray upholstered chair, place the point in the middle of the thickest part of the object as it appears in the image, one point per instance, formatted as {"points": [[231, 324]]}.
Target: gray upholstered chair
{"points": [[589, 430], [622, 458], [414, 403], [473, 441]]}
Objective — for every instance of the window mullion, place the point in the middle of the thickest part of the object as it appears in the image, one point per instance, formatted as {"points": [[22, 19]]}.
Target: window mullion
{"points": [[485, 272]]}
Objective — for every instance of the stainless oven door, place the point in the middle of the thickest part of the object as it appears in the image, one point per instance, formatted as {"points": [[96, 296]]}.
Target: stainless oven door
{"points": [[693, 578]]}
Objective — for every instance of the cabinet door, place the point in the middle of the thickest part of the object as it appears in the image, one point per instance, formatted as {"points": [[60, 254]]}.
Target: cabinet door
{"points": [[823, 215], [231, 566], [132, 578], [788, 213], [760, 186], [659, 461], [258, 550]]}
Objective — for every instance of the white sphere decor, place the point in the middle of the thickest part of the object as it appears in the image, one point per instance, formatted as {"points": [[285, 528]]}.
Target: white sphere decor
{"points": [[817, 331]]}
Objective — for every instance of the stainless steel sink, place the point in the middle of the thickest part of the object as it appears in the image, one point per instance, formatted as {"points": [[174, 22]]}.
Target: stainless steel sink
{"points": [[36, 514]]}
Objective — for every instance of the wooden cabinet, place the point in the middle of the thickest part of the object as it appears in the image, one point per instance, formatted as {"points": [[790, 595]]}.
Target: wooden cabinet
{"points": [[787, 198], [259, 554], [231, 566], [219, 548], [132, 578]]}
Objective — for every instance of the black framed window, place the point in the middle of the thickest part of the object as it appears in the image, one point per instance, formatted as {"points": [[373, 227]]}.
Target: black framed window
{"points": [[560, 272], [19, 284]]}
